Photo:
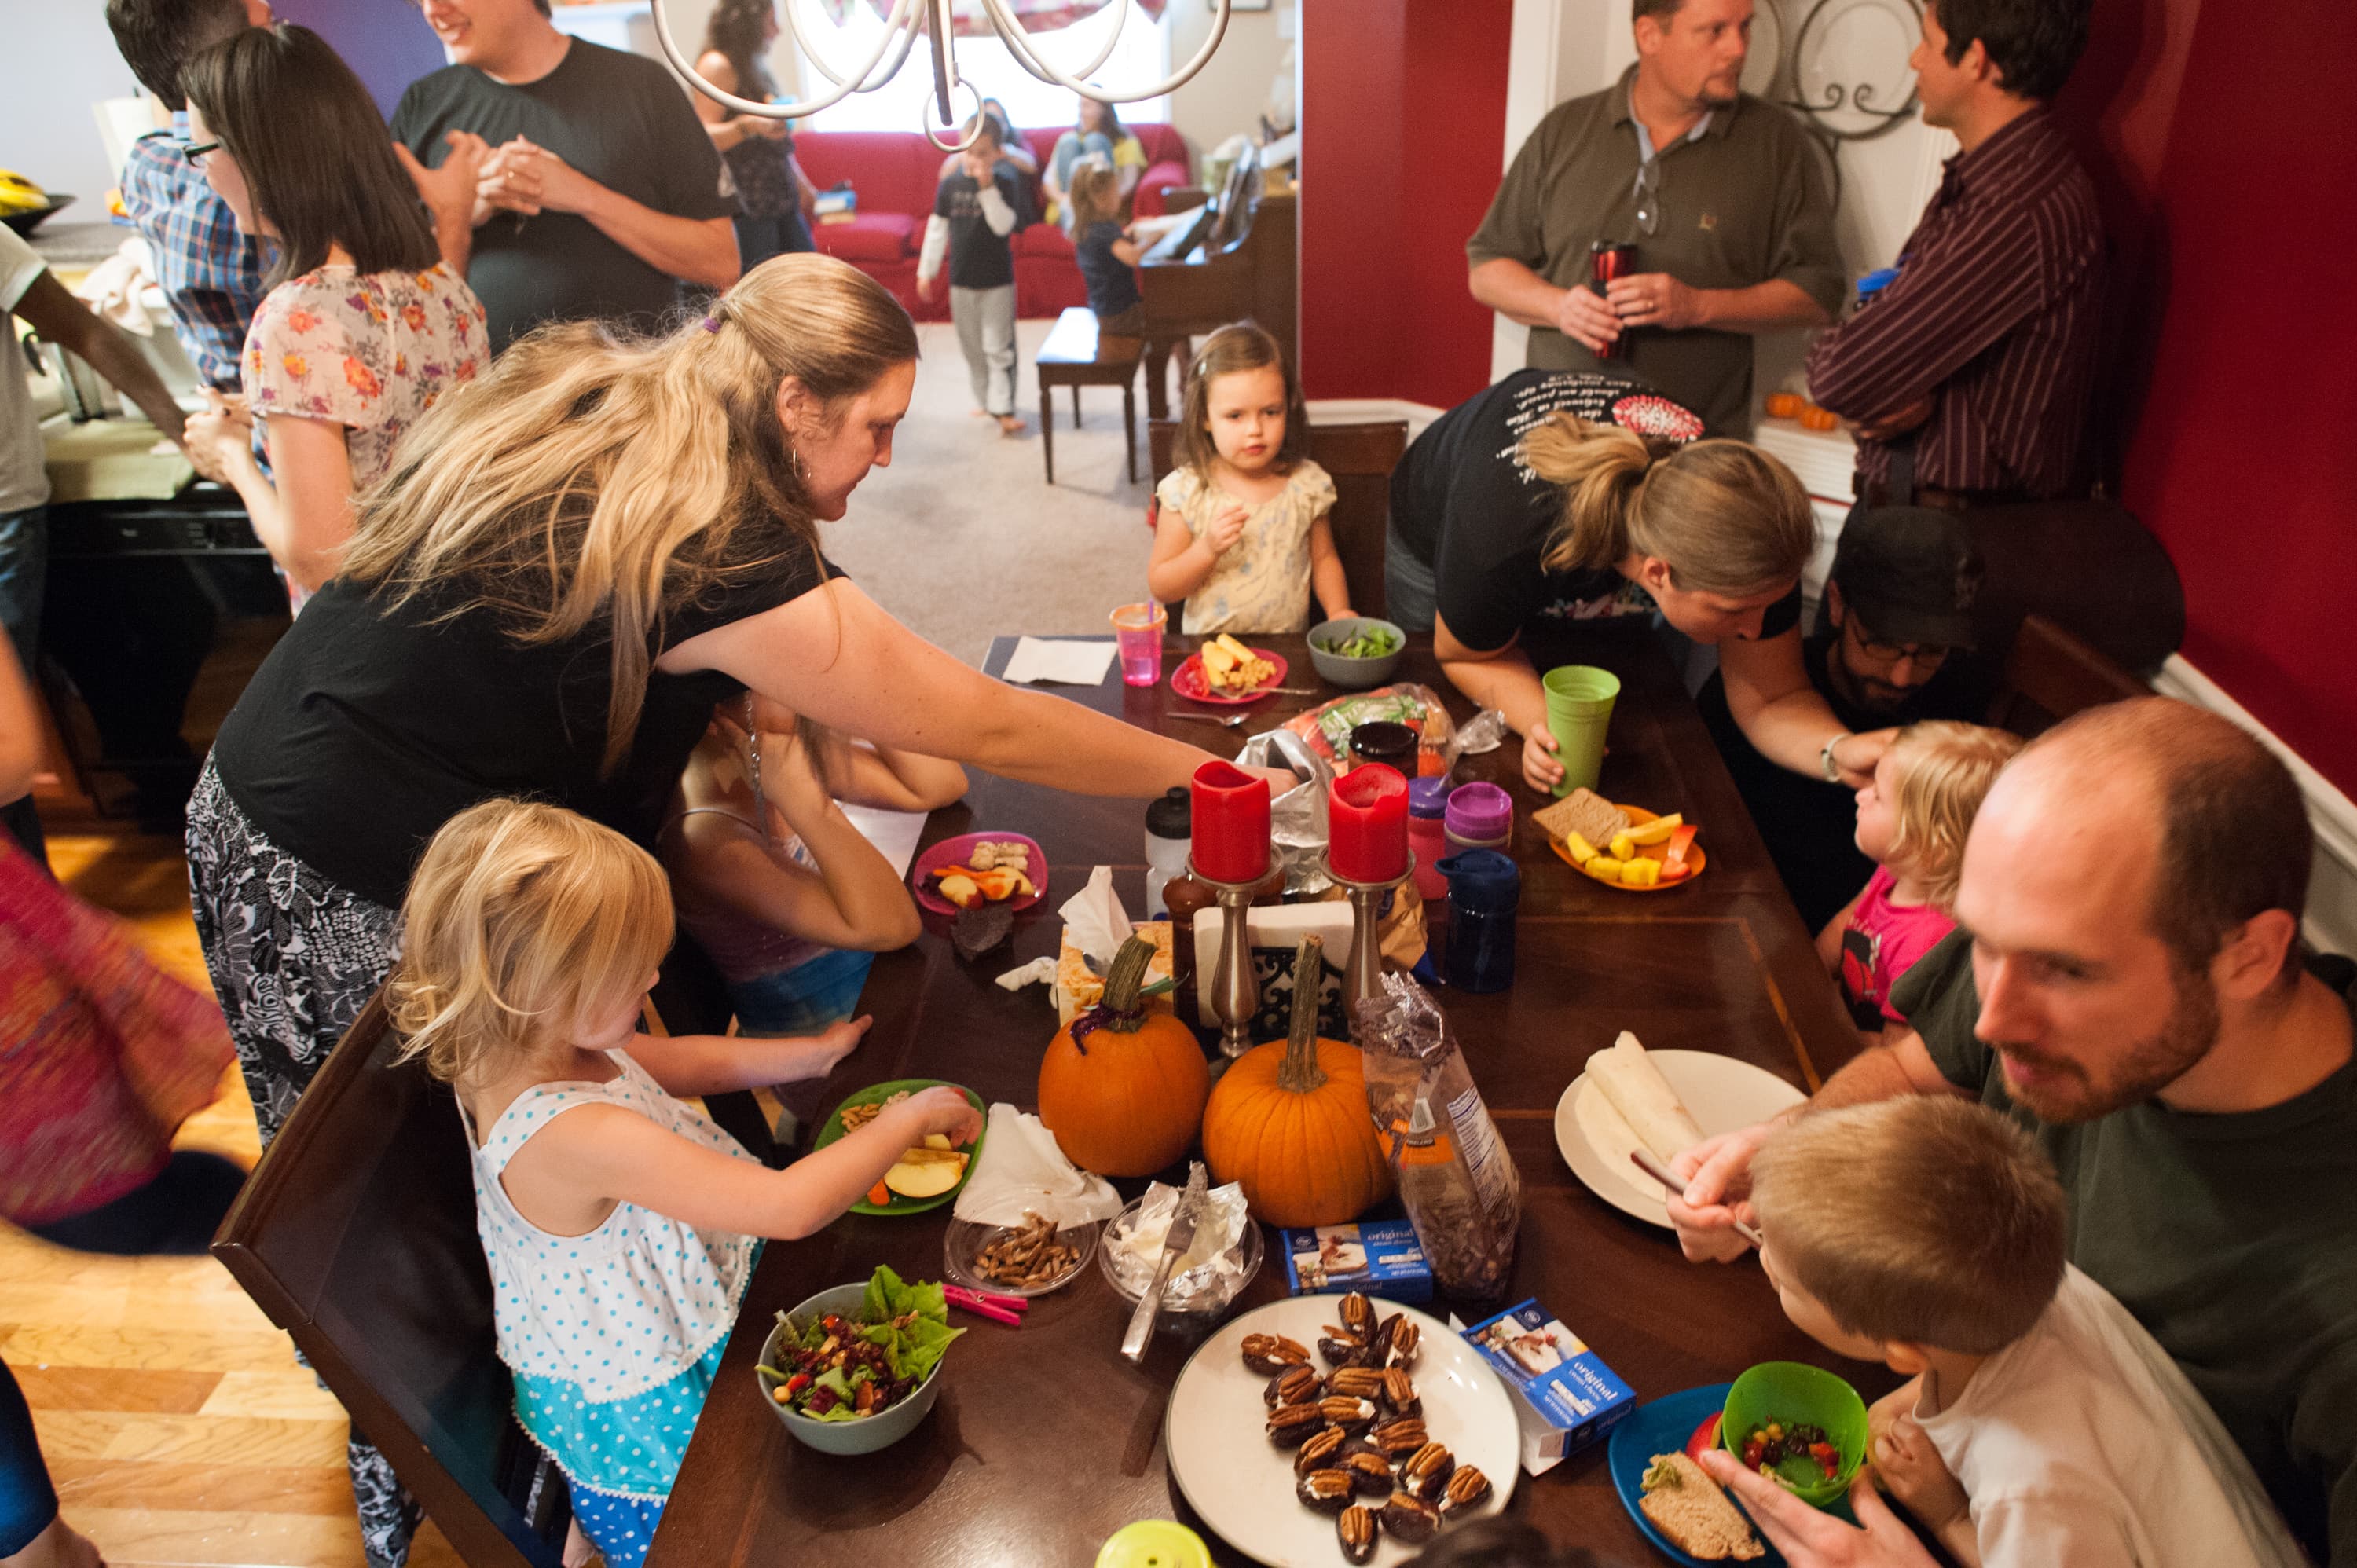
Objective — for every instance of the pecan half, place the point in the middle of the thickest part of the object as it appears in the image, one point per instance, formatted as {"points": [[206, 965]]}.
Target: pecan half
{"points": [[1295, 1385], [1324, 1450], [1467, 1489], [1398, 1393], [1269, 1354], [1352, 1415], [1371, 1471], [1358, 1314], [1400, 1438], [1358, 1531], [1410, 1518], [1327, 1491], [1291, 1425], [1357, 1382], [1426, 1471]]}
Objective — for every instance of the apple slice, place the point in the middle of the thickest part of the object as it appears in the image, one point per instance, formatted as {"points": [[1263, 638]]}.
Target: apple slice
{"points": [[938, 1140], [931, 1179]]}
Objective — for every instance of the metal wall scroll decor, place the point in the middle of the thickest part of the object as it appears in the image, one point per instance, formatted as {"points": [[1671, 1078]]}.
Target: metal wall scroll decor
{"points": [[1843, 69], [936, 21]]}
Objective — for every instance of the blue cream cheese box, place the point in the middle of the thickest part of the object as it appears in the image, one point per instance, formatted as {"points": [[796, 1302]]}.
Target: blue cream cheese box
{"points": [[1380, 1257], [1567, 1397]]}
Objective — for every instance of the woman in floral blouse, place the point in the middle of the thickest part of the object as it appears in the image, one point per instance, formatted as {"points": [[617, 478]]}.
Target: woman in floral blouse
{"points": [[363, 327]]}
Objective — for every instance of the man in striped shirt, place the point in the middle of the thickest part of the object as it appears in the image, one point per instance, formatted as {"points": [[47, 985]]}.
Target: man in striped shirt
{"points": [[1966, 381]]}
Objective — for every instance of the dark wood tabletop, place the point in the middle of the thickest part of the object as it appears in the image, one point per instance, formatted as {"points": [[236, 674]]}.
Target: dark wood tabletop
{"points": [[1044, 1441]]}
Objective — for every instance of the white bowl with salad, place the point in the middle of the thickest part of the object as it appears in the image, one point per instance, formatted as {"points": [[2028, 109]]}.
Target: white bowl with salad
{"points": [[856, 1367], [1356, 652]]}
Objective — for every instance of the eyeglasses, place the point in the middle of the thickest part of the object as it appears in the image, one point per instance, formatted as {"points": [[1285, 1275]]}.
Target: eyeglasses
{"points": [[196, 154], [1649, 195], [1929, 654]]}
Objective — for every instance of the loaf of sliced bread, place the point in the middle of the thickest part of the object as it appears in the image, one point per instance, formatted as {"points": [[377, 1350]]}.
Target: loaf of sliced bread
{"points": [[1687, 1505]]}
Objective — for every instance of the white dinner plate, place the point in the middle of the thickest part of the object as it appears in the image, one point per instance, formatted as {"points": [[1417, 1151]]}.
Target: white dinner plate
{"points": [[1242, 1484], [1720, 1093]]}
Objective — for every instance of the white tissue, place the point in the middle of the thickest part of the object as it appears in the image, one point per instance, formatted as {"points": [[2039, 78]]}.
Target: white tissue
{"points": [[1022, 1171], [1038, 971], [1095, 918]]}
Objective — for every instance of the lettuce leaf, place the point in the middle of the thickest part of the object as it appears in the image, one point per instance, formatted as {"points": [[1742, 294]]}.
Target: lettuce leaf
{"points": [[831, 1379], [915, 1347]]}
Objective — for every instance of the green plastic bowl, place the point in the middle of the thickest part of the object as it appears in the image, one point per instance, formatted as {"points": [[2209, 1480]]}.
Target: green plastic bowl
{"points": [[1794, 1393]]}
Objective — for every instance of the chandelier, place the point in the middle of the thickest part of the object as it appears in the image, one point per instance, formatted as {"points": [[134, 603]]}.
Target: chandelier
{"points": [[931, 20]]}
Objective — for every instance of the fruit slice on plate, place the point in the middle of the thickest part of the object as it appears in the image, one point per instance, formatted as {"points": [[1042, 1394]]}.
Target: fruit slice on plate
{"points": [[914, 1178]]}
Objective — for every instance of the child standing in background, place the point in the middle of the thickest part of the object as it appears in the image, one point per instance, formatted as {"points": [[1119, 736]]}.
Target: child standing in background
{"points": [[974, 212], [1241, 529], [1913, 819], [613, 1214], [784, 894], [1106, 253]]}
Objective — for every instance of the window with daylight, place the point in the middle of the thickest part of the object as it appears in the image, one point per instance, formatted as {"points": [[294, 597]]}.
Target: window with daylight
{"points": [[1141, 59]]}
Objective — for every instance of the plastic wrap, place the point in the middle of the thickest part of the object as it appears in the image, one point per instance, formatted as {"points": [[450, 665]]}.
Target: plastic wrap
{"points": [[1456, 1179]]}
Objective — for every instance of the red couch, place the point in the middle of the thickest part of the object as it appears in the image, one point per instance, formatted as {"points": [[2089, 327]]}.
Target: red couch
{"points": [[895, 174]]}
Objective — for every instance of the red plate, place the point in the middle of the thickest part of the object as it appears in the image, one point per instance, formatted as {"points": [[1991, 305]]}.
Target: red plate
{"points": [[953, 852], [1188, 681]]}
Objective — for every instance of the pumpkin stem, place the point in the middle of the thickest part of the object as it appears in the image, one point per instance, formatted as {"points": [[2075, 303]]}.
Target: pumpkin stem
{"points": [[1120, 1006], [1301, 1073]]}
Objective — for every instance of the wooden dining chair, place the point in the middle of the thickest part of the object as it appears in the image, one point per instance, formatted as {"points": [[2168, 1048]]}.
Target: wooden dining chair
{"points": [[356, 1235], [2050, 674], [1361, 457]]}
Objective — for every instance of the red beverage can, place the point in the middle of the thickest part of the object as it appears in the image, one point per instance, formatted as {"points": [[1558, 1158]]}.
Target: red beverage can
{"points": [[1608, 259]]}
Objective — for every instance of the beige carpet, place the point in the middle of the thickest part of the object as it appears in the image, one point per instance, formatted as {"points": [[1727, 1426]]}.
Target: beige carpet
{"points": [[962, 538]]}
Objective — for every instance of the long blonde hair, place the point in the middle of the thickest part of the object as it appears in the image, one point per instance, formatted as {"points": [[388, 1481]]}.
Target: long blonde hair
{"points": [[1726, 517], [522, 921], [595, 476], [1942, 771]]}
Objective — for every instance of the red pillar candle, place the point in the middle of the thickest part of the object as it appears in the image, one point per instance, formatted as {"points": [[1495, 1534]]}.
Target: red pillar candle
{"points": [[1230, 824], [1366, 822]]}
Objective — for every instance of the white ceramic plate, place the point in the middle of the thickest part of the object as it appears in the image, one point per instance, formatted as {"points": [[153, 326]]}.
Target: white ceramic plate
{"points": [[1721, 1093], [1242, 1484]]}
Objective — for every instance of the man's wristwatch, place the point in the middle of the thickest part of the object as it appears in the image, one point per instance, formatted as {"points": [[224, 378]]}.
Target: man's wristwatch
{"points": [[1825, 758]]}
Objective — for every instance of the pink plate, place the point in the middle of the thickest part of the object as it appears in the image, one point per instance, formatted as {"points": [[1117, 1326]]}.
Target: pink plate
{"points": [[1188, 681], [953, 852]]}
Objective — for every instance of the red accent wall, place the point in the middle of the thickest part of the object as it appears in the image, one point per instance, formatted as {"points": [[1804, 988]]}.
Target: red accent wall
{"points": [[1404, 117], [2238, 350]]}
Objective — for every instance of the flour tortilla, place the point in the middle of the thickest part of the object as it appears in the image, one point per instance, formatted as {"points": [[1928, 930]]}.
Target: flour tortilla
{"points": [[1645, 1104], [1608, 1133]]}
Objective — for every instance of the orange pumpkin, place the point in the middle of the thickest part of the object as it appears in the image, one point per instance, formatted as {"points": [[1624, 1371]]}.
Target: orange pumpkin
{"points": [[1289, 1121], [1123, 1088]]}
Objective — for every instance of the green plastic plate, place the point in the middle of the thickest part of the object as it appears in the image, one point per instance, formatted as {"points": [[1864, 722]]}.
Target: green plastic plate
{"points": [[876, 1094]]}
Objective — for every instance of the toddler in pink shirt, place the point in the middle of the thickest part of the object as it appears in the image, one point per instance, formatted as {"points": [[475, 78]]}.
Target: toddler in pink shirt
{"points": [[1912, 822]]}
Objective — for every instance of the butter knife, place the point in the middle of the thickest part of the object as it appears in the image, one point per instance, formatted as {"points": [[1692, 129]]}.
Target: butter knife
{"points": [[1174, 1247]]}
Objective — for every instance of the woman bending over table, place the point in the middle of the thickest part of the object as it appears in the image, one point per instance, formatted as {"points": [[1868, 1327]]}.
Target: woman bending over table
{"points": [[364, 328], [787, 897], [569, 565], [1555, 497]]}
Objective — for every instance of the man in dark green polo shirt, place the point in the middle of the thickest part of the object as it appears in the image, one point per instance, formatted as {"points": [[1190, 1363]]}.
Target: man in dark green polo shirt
{"points": [[1727, 199], [2131, 990]]}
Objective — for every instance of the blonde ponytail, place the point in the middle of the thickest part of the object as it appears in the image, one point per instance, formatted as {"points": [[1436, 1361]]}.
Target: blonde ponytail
{"points": [[1726, 517], [591, 475]]}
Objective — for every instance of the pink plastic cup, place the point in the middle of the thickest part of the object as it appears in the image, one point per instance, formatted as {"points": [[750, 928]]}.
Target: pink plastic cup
{"points": [[1138, 630]]}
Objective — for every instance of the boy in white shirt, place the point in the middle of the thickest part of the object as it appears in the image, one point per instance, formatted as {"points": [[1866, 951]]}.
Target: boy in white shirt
{"points": [[2040, 1424]]}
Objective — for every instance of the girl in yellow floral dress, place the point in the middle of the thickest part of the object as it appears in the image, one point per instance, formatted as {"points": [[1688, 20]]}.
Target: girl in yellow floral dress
{"points": [[364, 327]]}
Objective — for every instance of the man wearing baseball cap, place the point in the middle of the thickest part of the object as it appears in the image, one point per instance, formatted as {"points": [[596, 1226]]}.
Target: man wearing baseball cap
{"points": [[1892, 645]]}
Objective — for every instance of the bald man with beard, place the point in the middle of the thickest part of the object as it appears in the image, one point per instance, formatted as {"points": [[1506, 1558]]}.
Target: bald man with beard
{"points": [[2126, 982]]}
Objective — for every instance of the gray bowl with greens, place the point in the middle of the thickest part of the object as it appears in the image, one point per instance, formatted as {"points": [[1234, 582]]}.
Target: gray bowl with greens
{"points": [[820, 1366], [1356, 651]]}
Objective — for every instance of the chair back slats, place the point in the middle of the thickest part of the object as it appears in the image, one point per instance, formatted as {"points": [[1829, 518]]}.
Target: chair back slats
{"points": [[356, 1234]]}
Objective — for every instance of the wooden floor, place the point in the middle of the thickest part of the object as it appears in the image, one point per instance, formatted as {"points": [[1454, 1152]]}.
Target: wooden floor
{"points": [[176, 1424]]}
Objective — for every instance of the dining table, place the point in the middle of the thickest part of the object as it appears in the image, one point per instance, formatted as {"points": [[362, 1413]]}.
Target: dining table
{"points": [[1044, 1441]]}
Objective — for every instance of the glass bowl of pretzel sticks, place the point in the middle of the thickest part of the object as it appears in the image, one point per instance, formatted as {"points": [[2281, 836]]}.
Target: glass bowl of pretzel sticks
{"points": [[1026, 1260]]}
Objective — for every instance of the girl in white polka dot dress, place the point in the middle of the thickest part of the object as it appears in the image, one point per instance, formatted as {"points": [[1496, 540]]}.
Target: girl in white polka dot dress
{"points": [[620, 1223]]}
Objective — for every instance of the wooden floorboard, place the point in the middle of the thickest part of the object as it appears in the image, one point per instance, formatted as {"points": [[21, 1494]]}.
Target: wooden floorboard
{"points": [[178, 1426]]}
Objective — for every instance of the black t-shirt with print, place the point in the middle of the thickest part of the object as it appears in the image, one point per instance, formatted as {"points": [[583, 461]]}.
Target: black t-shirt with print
{"points": [[616, 117], [370, 725], [1464, 504]]}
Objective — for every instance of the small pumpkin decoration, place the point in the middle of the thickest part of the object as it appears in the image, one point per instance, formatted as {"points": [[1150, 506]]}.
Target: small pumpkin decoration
{"points": [[1123, 1088], [1289, 1121]]}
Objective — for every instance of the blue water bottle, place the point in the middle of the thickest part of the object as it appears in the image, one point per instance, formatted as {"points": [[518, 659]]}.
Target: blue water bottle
{"points": [[1484, 887]]}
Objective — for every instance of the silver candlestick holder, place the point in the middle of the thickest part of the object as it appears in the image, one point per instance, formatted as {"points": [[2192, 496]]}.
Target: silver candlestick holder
{"points": [[1363, 973], [1235, 988]]}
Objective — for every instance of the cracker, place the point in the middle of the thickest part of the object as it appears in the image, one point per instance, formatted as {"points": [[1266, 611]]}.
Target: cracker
{"points": [[1585, 813]]}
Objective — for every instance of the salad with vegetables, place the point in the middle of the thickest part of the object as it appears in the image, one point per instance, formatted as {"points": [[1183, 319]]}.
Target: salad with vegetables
{"points": [[845, 1369], [1370, 641]]}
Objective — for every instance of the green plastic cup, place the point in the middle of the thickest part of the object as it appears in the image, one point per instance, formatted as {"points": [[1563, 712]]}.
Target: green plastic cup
{"points": [[1794, 1393], [1579, 700]]}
